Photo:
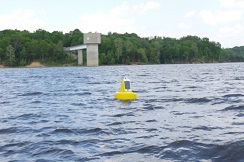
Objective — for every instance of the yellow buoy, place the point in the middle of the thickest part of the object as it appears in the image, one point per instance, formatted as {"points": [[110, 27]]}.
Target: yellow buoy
{"points": [[125, 93]]}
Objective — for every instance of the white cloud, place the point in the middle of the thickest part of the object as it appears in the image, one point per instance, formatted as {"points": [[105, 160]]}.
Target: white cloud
{"points": [[231, 30], [221, 16], [184, 26], [190, 14], [106, 22], [231, 36], [227, 21], [22, 20], [121, 9], [142, 8], [232, 3], [120, 19]]}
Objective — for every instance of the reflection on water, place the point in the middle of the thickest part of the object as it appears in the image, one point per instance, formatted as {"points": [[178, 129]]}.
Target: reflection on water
{"points": [[126, 103]]}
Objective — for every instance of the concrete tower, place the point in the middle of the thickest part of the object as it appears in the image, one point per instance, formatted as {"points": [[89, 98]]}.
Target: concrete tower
{"points": [[91, 40]]}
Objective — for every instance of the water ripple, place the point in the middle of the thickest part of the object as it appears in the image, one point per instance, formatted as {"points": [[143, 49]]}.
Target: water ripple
{"points": [[183, 113]]}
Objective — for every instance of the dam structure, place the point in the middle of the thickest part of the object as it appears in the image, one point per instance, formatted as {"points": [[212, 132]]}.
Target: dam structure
{"points": [[91, 42]]}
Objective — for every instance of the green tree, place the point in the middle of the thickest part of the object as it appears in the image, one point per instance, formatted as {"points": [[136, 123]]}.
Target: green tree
{"points": [[23, 57], [43, 49], [59, 52], [1, 55], [102, 59], [10, 55], [129, 51], [119, 49], [142, 55]]}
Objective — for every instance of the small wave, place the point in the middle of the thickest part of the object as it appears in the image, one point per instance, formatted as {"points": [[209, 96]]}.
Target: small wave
{"points": [[4, 102], [108, 82], [160, 89], [154, 82], [182, 113], [233, 108], [53, 151], [172, 99], [13, 145], [78, 104], [234, 133], [93, 130], [148, 107], [151, 130], [150, 149], [115, 123], [116, 131], [240, 115], [198, 100], [67, 142], [142, 75], [205, 128], [36, 102], [8, 130], [112, 153], [152, 101], [95, 83], [239, 78], [186, 150], [196, 116], [78, 131], [150, 121], [233, 95], [28, 116], [140, 91], [124, 114], [238, 123], [228, 152], [192, 87], [83, 94], [62, 130], [32, 94], [44, 160]]}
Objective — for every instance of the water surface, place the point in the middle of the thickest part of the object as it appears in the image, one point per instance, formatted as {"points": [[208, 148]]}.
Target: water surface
{"points": [[183, 113]]}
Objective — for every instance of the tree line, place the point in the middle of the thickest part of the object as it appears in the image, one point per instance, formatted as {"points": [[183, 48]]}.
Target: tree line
{"points": [[19, 48]]}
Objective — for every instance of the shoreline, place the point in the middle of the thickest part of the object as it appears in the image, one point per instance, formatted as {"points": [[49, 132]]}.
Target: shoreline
{"points": [[32, 65], [39, 65]]}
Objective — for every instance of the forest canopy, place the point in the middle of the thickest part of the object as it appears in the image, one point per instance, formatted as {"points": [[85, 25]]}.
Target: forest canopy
{"points": [[19, 48]]}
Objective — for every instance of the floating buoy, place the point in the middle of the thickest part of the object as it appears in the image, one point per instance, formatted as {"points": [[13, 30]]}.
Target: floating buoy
{"points": [[125, 93]]}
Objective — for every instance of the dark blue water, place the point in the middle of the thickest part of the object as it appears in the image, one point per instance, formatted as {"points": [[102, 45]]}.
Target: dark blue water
{"points": [[183, 113]]}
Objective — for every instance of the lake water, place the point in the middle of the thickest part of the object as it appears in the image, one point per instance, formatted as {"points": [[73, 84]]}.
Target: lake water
{"points": [[191, 112]]}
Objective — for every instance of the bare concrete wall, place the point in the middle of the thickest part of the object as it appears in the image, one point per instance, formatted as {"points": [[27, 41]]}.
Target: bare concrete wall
{"points": [[80, 57], [90, 38], [92, 55]]}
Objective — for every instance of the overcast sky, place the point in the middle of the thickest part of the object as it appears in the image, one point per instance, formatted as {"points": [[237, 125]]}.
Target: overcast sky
{"points": [[220, 20]]}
